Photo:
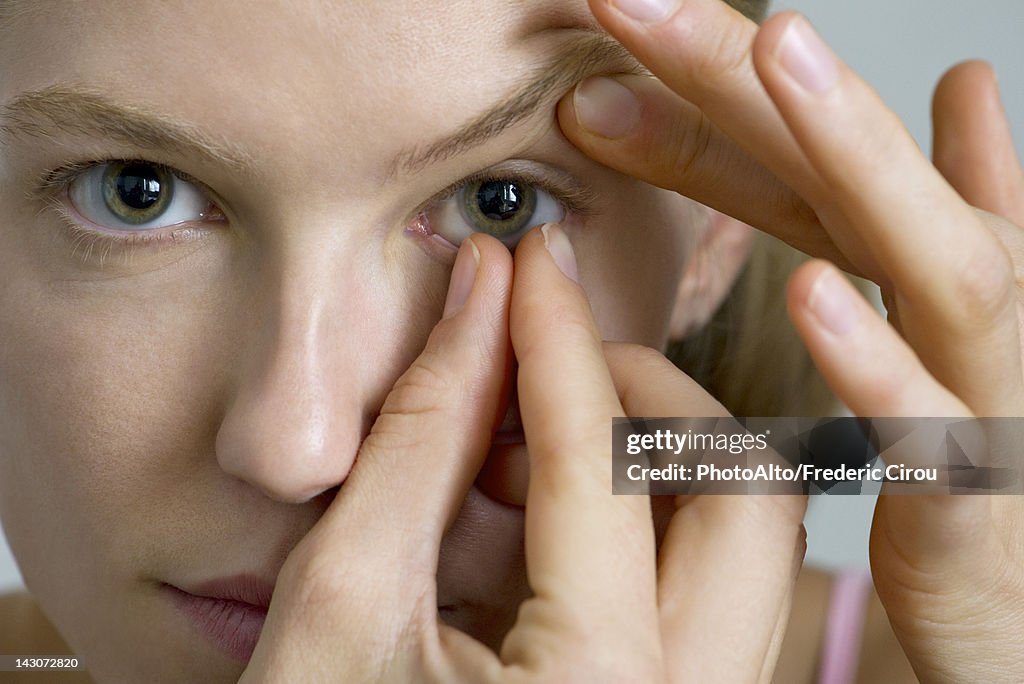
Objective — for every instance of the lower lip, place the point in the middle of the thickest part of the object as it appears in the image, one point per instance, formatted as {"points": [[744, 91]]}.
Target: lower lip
{"points": [[232, 625]]}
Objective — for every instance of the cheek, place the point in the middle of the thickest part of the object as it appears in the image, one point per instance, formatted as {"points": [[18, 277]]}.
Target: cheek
{"points": [[631, 261], [112, 394], [107, 395]]}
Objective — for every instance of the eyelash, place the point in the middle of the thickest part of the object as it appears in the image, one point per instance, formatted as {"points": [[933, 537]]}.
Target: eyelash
{"points": [[53, 186]]}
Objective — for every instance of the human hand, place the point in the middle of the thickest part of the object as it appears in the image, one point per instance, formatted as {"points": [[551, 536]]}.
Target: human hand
{"points": [[777, 132], [356, 599]]}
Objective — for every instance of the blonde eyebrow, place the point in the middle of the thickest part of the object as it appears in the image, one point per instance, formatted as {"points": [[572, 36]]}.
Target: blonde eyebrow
{"points": [[587, 53], [81, 110]]}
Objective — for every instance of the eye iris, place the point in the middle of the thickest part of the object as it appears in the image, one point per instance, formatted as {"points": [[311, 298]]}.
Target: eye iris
{"points": [[136, 192], [500, 207]]}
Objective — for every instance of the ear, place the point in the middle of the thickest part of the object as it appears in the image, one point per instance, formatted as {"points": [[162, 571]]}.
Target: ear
{"points": [[721, 252]]}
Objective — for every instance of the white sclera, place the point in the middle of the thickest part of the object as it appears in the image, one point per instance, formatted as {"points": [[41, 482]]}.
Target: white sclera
{"points": [[188, 203]]}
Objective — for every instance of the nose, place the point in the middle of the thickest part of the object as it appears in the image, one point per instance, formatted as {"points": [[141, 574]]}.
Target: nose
{"points": [[299, 411]]}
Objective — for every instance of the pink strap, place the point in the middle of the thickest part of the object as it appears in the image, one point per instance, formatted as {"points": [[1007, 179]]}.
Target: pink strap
{"points": [[845, 627]]}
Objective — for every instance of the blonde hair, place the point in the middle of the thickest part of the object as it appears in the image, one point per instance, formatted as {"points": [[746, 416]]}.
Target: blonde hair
{"points": [[749, 355], [755, 9]]}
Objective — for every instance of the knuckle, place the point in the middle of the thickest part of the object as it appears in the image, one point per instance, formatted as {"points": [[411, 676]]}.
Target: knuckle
{"points": [[564, 458], [716, 58], [577, 648], [421, 391], [985, 282], [690, 148], [794, 205]]}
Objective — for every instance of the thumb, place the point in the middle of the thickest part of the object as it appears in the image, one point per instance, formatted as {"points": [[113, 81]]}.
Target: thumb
{"points": [[360, 587]]}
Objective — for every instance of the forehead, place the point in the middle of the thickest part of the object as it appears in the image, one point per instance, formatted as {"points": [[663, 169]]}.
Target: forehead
{"points": [[292, 77]]}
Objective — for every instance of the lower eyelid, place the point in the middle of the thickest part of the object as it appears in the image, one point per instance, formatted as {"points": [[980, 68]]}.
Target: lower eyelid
{"points": [[71, 215], [92, 244]]}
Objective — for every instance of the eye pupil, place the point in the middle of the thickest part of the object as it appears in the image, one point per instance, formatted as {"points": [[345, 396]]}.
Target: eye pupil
{"points": [[138, 186], [137, 192], [499, 200]]}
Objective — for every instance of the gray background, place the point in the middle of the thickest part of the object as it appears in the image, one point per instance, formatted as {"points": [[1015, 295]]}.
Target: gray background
{"points": [[902, 47]]}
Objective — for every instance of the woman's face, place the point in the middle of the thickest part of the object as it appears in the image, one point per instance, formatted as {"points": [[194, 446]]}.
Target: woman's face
{"points": [[188, 365]]}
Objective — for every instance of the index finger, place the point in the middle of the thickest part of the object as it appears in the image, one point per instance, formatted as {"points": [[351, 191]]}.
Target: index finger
{"points": [[726, 145], [638, 126], [590, 556]]}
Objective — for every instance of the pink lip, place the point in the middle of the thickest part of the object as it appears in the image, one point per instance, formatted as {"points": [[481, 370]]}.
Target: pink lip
{"points": [[230, 611]]}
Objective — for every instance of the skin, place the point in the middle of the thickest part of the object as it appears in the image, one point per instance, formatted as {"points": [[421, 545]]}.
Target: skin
{"points": [[183, 452]]}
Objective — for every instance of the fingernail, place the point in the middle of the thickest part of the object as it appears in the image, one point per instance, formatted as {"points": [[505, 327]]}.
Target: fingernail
{"points": [[831, 302], [463, 275], [560, 249], [646, 11], [806, 57], [605, 107]]}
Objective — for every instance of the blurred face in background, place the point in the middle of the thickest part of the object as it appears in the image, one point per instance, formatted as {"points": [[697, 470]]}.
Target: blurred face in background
{"points": [[225, 230]]}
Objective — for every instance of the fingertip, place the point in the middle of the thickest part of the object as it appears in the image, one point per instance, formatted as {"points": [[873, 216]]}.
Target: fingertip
{"points": [[485, 290], [561, 251], [545, 243], [547, 298], [971, 70], [565, 113], [821, 300], [770, 32], [606, 107], [493, 255], [788, 51], [463, 279], [801, 283], [768, 38], [965, 85]]}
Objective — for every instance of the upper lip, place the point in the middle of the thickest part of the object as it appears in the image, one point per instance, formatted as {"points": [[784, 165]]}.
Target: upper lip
{"points": [[249, 589]]}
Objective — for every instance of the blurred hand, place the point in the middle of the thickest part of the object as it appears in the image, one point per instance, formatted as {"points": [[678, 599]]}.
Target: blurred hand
{"points": [[776, 131]]}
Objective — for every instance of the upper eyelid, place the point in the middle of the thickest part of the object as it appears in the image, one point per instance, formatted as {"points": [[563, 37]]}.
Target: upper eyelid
{"points": [[57, 180], [577, 198]]}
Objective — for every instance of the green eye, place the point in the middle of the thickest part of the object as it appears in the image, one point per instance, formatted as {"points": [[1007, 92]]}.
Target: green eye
{"points": [[500, 208], [136, 192], [505, 208]]}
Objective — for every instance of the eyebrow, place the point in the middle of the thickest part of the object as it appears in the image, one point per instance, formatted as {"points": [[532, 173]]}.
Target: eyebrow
{"points": [[85, 111], [81, 110], [587, 53]]}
